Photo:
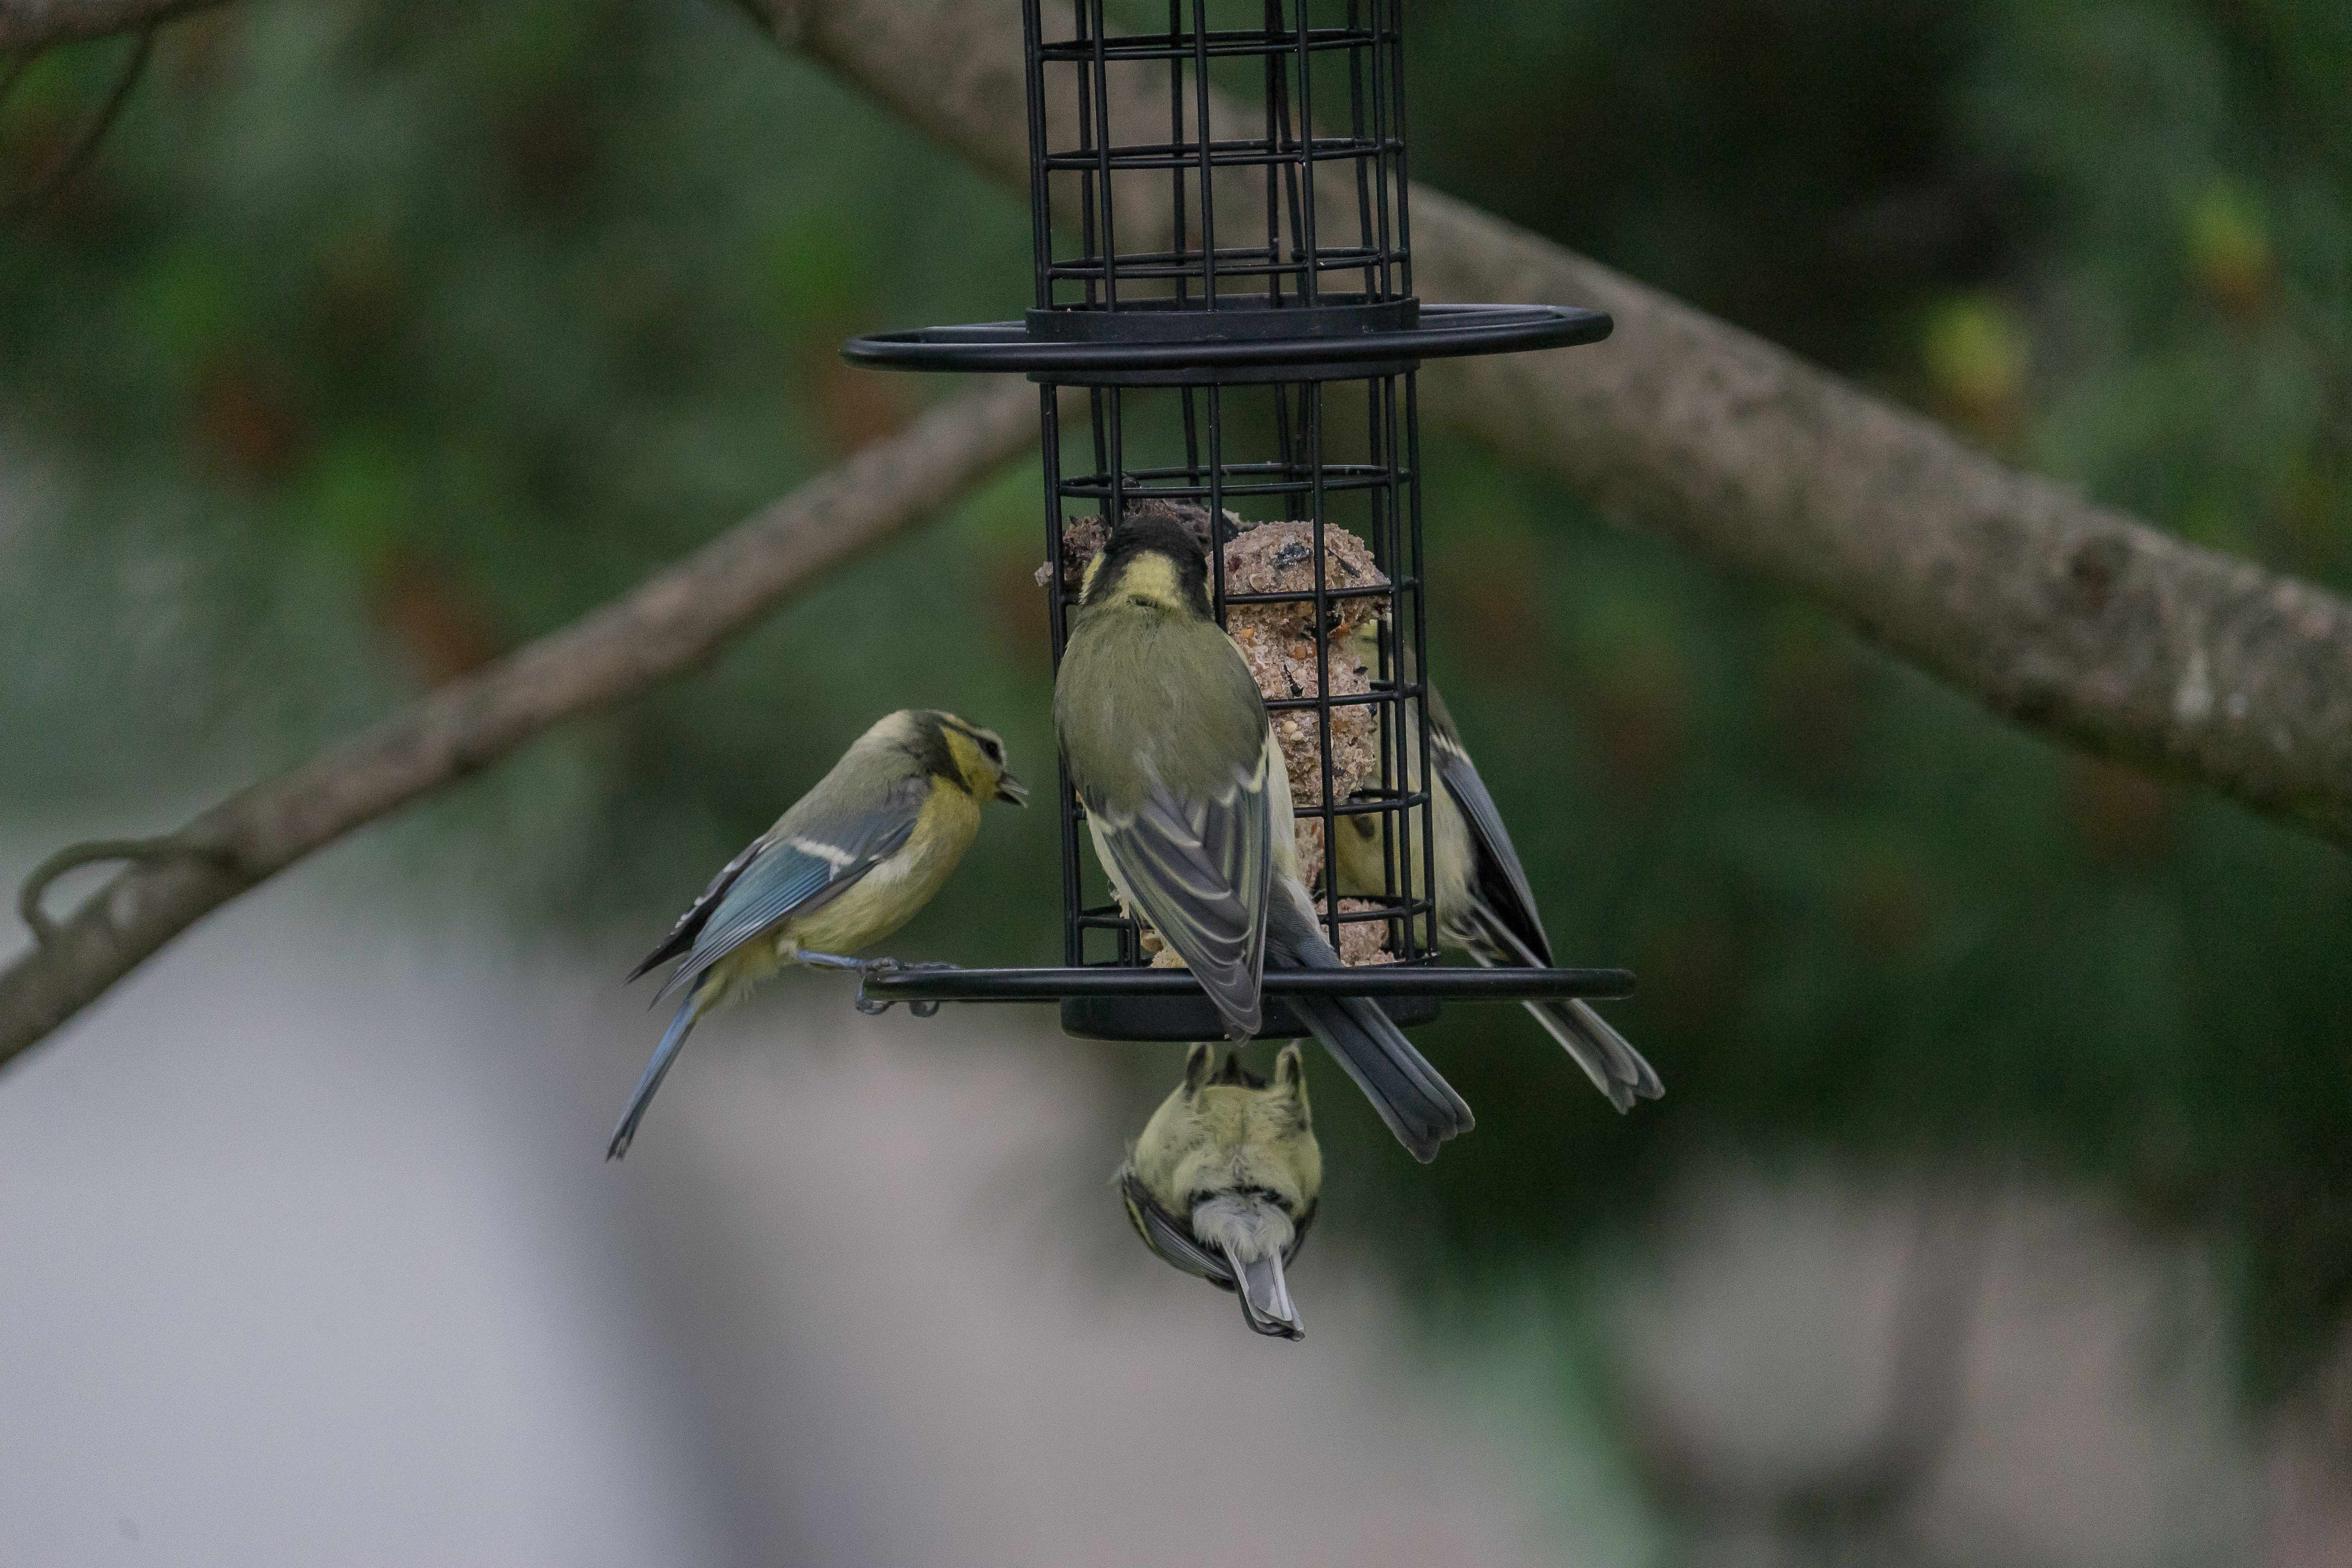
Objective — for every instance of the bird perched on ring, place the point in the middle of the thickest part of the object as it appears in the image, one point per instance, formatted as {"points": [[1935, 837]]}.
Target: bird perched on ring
{"points": [[1224, 1180], [1485, 907], [1188, 801], [850, 863]]}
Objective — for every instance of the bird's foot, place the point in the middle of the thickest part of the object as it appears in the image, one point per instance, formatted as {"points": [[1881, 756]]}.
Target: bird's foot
{"points": [[875, 1006]]}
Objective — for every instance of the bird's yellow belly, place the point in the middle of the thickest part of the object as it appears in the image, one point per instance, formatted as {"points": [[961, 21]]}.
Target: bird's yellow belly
{"points": [[888, 895]]}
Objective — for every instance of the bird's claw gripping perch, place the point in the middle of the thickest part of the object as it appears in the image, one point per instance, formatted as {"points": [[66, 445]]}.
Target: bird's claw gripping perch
{"points": [[875, 1006]]}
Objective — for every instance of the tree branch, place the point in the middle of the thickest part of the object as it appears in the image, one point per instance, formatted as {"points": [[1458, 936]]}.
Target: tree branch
{"points": [[2068, 617], [669, 625], [35, 24]]}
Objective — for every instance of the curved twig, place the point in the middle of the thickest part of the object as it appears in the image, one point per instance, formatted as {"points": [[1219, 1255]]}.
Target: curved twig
{"points": [[96, 851]]}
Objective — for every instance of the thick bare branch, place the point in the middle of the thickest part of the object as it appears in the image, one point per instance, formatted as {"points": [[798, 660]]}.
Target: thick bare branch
{"points": [[669, 625], [32, 25], [2065, 615]]}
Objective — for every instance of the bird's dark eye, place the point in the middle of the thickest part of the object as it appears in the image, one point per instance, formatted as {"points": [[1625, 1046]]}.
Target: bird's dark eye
{"points": [[995, 751]]}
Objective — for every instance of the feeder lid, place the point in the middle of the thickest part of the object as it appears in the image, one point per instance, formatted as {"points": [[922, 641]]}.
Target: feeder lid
{"points": [[1157, 339]]}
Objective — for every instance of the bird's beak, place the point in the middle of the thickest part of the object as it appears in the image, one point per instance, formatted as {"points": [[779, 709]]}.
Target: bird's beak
{"points": [[1012, 791], [1266, 1296]]}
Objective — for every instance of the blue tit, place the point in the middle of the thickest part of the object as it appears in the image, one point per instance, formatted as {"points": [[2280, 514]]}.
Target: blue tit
{"points": [[850, 863], [1167, 743], [1485, 907], [1224, 1180]]}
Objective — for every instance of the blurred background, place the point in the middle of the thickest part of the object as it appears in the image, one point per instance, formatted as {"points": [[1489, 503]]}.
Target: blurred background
{"points": [[2000, 1210]]}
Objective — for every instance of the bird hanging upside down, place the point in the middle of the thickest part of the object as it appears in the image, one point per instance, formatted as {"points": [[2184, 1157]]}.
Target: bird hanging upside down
{"points": [[1224, 1180]]}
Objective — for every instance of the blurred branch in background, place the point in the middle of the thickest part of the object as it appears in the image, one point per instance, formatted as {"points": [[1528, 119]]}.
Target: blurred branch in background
{"points": [[669, 625], [2061, 614], [2064, 615], [49, 181]]}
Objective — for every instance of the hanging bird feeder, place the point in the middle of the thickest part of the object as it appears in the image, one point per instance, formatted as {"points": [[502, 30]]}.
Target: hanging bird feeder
{"points": [[1224, 266]]}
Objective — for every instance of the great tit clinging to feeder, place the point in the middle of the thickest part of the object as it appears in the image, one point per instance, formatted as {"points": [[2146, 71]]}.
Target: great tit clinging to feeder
{"points": [[1188, 801], [1224, 1180], [850, 863], [1485, 907]]}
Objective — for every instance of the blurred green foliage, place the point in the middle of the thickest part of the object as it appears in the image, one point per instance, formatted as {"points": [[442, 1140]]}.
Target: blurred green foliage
{"points": [[379, 338]]}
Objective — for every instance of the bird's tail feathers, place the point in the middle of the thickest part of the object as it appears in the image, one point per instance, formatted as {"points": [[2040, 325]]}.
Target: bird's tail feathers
{"points": [[681, 1025], [1607, 1058], [1265, 1296], [1253, 1233], [1419, 1105]]}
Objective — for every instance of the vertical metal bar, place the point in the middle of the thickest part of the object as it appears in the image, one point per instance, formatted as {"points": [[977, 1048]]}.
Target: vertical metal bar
{"points": [[1102, 160], [1355, 133], [1382, 87], [1380, 415], [1049, 423], [1273, 97], [1311, 399], [1306, 218], [1216, 501], [1201, 115], [1089, 246], [1193, 447], [1285, 449], [1403, 171], [1041, 190], [1279, 135], [1419, 664], [1115, 467], [1100, 422], [1176, 141], [1111, 402]]}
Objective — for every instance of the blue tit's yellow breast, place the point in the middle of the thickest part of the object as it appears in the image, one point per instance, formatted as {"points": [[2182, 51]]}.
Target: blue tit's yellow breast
{"points": [[892, 893]]}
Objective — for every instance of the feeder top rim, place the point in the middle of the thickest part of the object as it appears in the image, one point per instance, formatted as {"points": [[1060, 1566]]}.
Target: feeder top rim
{"points": [[1441, 332]]}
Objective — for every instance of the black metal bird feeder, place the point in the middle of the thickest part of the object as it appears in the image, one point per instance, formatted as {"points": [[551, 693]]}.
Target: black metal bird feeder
{"points": [[1231, 284]]}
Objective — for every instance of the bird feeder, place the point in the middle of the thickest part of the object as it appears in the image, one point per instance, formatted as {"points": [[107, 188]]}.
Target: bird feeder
{"points": [[1224, 276]]}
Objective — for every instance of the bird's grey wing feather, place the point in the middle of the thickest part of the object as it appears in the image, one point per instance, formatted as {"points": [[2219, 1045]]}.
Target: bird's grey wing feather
{"points": [[785, 878], [697, 914], [1412, 1098], [1607, 1058], [1198, 870], [1499, 882], [1167, 1238]]}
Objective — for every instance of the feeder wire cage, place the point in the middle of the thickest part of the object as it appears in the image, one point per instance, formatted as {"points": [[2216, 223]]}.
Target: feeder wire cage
{"points": [[1231, 287]]}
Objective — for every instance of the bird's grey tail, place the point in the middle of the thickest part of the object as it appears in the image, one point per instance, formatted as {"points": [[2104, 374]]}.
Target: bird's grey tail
{"points": [[1265, 1296], [1607, 1058], [1419, 1105], [680, 1026]]}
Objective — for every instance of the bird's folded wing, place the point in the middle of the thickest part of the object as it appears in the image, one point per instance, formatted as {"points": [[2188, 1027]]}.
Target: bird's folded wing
{"points": [[1499, 882], [796, 871], [1198, 870], [1165, 1237], [697, 914]]}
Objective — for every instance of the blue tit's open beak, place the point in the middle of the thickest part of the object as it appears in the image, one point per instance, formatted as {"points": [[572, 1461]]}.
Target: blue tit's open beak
{"points": [[1012, 791]]}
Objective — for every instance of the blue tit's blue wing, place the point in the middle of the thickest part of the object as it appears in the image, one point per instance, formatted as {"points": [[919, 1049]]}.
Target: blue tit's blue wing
{"points": [[1199, 870], [697, 914], [1499, 883], [806, 861]]}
